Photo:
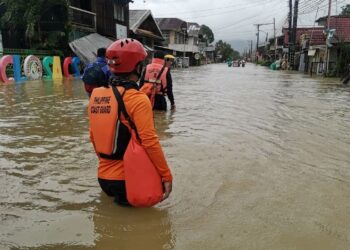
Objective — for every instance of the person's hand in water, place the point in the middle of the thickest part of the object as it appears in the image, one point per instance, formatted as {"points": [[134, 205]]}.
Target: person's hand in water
{"points": [[173, 107], [168, 187]]}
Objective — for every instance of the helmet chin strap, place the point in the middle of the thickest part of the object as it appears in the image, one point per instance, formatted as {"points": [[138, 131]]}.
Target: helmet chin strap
{"points": [[139, 69]]}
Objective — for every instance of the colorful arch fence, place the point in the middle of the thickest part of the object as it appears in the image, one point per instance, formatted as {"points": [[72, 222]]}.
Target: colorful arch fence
{"points": [[35, 69]]}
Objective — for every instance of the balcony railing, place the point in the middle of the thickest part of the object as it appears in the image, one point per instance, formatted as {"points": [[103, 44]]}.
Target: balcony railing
{"points": [[82, 18], [184, 47]]}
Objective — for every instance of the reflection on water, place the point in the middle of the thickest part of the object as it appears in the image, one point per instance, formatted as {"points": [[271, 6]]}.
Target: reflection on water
{"points": [[131, 228], [162, 122], [260, 160]]}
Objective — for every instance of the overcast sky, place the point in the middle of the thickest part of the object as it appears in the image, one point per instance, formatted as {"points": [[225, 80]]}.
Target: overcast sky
{"points": [[235, 19]]}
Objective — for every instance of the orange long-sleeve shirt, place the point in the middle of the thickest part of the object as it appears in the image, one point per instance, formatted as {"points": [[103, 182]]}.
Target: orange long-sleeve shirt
{"points": [[139, 108]]}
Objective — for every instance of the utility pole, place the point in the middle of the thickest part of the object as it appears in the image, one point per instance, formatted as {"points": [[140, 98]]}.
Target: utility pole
{"points": [[327, 41], [294, 35], [275, 38], [251, 49], [290, 31], [257, 39], [257, 44]]}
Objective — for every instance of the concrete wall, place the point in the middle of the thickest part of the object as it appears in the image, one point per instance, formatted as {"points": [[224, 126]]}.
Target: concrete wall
{"points": [[171, 37]]}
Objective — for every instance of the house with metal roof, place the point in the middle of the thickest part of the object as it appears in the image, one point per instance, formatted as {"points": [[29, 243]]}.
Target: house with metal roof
{"points": [[340, 25], [181, 37], [96, 24], [313, 46], [310, 48], [193, 33], [174, 32], [198, 49], [144, 28], [337, 36]]}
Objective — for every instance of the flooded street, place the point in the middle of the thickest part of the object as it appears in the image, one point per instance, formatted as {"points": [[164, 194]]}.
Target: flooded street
{"points": [[260, 158]]}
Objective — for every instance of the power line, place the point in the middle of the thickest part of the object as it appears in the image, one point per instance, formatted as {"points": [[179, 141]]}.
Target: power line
{"points": [[324, 6], [221, 13], [255, 18], [225, 7]]}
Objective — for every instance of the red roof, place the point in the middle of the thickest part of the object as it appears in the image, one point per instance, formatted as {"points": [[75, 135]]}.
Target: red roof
{"points": [[342, 28], [316, 34]]}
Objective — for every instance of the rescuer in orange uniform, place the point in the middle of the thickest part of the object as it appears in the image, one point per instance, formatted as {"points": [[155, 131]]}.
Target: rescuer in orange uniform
{"points": [[157, 73], [109, 130]]}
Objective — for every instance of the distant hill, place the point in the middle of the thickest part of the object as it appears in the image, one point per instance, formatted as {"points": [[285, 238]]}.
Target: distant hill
{"points": [[240, 45]]}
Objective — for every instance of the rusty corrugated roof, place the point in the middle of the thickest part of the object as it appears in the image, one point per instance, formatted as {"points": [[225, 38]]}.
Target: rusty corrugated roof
{"points": [[170, 23], [316, 35]]}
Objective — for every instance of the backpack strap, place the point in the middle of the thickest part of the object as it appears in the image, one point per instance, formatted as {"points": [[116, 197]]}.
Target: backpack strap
{"points": [[121, 107], [159, 75], [161, 72]]}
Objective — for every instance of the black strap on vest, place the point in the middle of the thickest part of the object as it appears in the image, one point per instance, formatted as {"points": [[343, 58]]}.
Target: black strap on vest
{"points": [[159, 75], [124, 138], [121, 107], [113, 81], [161, 85]]}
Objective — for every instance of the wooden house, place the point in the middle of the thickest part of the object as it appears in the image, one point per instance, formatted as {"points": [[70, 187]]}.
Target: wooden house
{"points": [[108, 18], [96, 24], [144, 28]]}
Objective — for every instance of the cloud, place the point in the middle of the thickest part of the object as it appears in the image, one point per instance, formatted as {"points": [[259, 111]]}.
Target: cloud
{"points": [[231, 19]]}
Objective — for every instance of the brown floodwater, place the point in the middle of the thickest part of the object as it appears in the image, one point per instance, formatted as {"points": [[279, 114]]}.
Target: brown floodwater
{"points": [[261, 160]]}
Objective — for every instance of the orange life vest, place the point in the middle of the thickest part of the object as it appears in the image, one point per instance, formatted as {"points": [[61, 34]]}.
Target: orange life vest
{"points": [[155, 84], [111, 136]]}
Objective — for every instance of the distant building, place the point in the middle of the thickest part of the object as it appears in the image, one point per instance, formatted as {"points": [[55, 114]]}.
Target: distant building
{"points": [[144, 28], [210, 54], [276, 50], [174, 31], [312, 44], [181, 37], [310, 47], [341, 25], [339, 35], [193, 43]]}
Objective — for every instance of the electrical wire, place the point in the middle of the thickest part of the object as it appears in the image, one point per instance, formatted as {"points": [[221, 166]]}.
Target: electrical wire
{"points": [[324, 6], [253, 5], [250, 19]]}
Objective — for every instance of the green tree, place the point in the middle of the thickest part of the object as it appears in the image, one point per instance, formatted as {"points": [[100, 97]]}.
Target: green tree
{"points": [[226, 51], [206, 34], [24, 20], [345, 10]]}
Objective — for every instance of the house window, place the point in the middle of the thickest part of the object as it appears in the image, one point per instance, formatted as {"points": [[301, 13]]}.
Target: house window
{"points": [[121, 31], [179, 38], [119, 12], [166, 37]]}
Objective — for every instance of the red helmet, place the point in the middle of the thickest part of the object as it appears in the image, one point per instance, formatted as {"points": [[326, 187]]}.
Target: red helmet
{"points": [[124, 55]]}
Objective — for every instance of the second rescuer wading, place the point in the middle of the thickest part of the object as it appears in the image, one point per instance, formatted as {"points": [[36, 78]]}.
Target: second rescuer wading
{"points": [[124, 58]]}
